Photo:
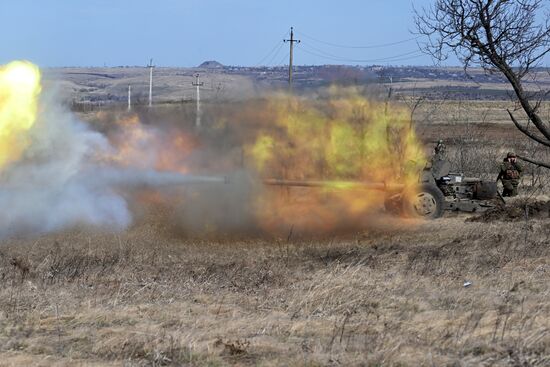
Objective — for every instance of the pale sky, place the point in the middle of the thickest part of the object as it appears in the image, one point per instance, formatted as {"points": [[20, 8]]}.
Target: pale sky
{"points": [[187, 32]]}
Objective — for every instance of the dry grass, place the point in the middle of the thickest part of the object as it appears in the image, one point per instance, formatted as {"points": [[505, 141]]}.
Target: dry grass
{"points": [[144, 297], [391, 296], [454, 111]]}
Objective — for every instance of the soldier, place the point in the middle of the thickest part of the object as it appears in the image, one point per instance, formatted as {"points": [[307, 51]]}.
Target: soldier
{"points": [[440, 150], [510, 173], [439, 165]]}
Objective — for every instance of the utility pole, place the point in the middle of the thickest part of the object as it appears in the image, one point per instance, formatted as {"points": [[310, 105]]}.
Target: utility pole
{"points": [[388, 129], [151, 66], [197, 83], [129, 98], [291, 41], [390, 92]]}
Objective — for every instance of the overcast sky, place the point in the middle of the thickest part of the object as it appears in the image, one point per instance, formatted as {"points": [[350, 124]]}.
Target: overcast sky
{"points": [[188, 32]]}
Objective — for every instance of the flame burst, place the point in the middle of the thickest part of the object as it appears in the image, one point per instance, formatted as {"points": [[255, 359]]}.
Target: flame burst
{"points": [[343, 139], [19, 91], [142, 146]]}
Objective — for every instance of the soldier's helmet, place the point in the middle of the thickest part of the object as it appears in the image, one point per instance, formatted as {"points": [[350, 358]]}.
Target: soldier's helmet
{"points": [[511, 155]]}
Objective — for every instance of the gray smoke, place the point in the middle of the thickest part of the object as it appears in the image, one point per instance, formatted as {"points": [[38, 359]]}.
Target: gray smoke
{"points": [[60, 182]]}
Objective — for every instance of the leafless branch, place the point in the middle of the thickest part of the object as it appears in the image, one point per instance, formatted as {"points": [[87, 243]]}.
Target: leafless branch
{"points": [[530, 160], [527, 132], [510, 37]]}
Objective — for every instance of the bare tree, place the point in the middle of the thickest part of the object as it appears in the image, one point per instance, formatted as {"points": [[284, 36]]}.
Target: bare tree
{"points": [[510, 37]]}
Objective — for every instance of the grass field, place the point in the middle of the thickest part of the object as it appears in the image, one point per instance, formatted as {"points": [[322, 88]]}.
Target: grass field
{"points": [[392, 294], [388, 296]]}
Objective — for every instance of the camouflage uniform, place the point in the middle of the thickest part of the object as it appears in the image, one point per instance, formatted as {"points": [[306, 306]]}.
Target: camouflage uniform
{"points": [[440, 151], [510, 173], [439, 155], [439, 158]]}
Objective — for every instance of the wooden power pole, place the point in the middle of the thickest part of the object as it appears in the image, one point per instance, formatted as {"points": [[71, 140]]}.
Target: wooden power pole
{"points": [[291, 41], [198, 84], [129, 98], [151, 66]]}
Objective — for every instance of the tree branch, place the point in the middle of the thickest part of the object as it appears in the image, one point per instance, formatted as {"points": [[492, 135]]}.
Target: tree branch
{"points": [[540, 164], [505, 36], [527, 132]]}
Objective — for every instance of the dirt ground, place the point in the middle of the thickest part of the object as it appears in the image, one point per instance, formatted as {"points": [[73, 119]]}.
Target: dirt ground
{"points": [[521, 209], [383, 297]]}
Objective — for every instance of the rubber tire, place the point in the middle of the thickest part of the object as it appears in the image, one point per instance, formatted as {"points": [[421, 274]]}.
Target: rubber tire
{"points": [[435, 198]]}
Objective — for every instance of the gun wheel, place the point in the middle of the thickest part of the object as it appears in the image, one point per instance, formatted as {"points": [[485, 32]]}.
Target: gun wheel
{"points": [[426, 203]]}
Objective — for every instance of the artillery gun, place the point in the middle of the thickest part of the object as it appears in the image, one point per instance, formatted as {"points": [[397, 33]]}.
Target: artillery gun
{"points": [[438, 189]]}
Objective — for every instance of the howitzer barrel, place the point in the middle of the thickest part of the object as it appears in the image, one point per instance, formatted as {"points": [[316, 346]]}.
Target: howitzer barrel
{"points": [[365, 185]]}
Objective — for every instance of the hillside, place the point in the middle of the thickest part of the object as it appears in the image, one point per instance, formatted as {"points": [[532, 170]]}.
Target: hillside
{"points": [[174, 85]]}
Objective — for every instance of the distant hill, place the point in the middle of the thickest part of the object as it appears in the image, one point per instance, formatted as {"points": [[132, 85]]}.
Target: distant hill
{"points": [[211, 65], [101, 85]]}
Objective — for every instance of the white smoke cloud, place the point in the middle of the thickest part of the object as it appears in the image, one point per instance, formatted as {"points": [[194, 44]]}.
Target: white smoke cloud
{"points": [[60, 182], [53, 186]]}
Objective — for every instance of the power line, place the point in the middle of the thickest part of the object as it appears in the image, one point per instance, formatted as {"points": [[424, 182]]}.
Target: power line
{"points": [[277, 46], [281, 44], [382, 45], [367, 61], [320, 53], [420, 54], [413, 56], [339, 58], [281, 61], [323, 52]]}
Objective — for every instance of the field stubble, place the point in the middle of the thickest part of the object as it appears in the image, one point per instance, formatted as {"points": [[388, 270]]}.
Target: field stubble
{"points": [[145, 297], [385, 296]]}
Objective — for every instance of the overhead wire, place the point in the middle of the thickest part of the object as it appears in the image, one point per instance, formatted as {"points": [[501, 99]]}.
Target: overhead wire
{"points": [[275, 50], [320, 53], [412, 57], [279, 44], [281, 62], [382, 45], [275, 54], [315, 50], [418, 55]]}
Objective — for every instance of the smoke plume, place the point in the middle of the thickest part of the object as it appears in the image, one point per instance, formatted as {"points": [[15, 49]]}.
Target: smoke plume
{"points": [[57, 172]]}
